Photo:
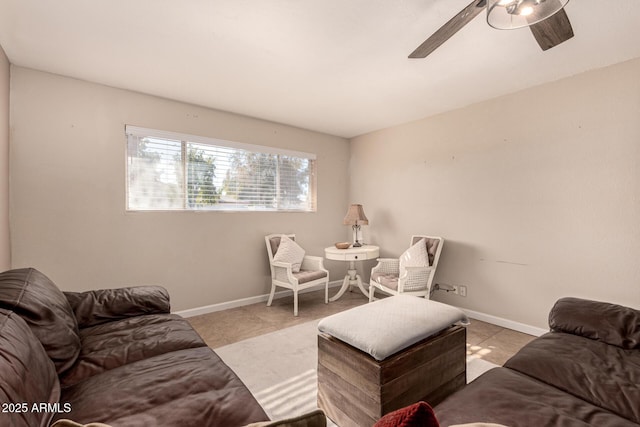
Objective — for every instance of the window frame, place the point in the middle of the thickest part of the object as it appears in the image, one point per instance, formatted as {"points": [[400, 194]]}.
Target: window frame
{"points": [[185, 139]]}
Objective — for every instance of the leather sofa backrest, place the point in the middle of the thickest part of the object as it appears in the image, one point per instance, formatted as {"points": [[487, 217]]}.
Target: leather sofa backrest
{"points": [[35, 298], [27, 375], [609, 323], [96, 307]]}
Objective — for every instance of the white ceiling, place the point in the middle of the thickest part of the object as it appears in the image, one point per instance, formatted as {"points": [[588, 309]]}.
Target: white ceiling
{"points": [[334, 66]]}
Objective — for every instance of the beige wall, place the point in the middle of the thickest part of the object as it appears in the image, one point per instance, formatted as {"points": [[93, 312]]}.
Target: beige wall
{"points": [[537, 193], [532, 210], [5, 250], [68, 195]]}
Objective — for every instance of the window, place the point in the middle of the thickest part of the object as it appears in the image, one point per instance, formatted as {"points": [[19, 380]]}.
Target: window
{"points": [[171, 171]]}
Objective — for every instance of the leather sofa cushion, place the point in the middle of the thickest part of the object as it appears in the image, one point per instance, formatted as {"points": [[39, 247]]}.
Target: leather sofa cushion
{"points": [[610, 323], [100, 306], [191, 387], [27, 375], [602, 374], [110, 345], [34, 297], [508, 397]]}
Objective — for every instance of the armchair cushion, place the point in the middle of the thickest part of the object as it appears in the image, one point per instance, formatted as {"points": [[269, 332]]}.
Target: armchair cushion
{"points": [[432, 249], [388, 280], [415, 256], [289, 252], [305, 276], [35, 298], [96, 307]]}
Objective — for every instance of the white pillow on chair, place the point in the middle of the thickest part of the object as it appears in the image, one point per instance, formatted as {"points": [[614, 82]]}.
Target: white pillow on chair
{"points": [[289, 252], [415, 256]]}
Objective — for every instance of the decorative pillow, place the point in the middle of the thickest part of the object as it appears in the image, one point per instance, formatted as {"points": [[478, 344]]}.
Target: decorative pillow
{"points": [[68, 423], [289, 252], [432, 248], [315, 418], [35, 298], [417, 415], [415, 256]]}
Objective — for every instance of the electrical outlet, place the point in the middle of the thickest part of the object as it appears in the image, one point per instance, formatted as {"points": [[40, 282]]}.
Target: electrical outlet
{"points": [[463, 291], [455, 289]]}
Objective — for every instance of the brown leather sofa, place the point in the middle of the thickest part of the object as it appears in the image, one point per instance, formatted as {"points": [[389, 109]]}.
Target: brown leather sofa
{"points": [[584, 372], [114, 356]]}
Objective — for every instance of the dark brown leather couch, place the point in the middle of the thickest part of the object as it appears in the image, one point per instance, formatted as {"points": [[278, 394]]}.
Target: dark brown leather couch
{"points": [[114, 356], [584, 372]]}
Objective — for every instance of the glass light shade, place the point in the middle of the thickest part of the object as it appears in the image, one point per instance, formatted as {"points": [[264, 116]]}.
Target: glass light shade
{"points": [[511, 14]]}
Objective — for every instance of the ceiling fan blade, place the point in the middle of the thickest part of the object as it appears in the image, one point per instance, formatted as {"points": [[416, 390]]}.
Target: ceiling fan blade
{"points": [[553, 30], [445, 32]]}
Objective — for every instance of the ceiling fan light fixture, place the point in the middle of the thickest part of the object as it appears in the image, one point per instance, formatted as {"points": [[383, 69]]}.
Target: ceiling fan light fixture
{"points": [[512, 14], [526, 11]]}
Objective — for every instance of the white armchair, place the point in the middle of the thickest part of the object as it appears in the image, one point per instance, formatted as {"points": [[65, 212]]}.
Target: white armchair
{"points": [[296, 271], [413, 273]]}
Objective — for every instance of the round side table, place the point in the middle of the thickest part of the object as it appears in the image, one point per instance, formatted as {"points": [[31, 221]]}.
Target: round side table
{"points": [[352, 255]]}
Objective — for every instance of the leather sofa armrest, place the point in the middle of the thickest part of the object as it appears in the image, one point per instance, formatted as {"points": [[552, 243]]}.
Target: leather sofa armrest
{"points": [[100, 306], [609, 323]]}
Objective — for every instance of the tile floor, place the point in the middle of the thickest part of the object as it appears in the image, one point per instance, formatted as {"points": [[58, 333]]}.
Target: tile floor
{"points": [[489, 342]]}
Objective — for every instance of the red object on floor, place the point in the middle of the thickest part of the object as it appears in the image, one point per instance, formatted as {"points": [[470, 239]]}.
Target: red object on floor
{"points": [[417, 415]]}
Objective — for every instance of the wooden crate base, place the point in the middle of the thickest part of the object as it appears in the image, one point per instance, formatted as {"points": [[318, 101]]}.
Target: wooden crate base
{"points": [[356, 390]]}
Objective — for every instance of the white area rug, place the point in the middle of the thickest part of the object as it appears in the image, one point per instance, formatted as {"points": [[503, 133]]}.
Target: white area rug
{"points": [[280, 368]]}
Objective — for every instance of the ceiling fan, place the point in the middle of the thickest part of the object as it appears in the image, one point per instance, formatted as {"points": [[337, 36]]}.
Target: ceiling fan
{"points": [[547, 20]]}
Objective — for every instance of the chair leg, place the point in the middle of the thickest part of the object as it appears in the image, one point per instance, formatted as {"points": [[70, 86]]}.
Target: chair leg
{"points": [[295, 303], [326, 293], [273, 291], [372, 290]]}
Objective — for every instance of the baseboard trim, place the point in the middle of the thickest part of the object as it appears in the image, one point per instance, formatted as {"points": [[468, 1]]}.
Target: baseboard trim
{"points": [[495, 320], [505, 323], [246, 301]]}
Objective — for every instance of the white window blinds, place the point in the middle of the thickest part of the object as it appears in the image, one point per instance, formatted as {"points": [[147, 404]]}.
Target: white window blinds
{"points": [[170, 171]]}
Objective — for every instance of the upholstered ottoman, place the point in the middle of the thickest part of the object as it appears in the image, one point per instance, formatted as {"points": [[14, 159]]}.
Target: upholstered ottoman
{"points": [[379, 357]]}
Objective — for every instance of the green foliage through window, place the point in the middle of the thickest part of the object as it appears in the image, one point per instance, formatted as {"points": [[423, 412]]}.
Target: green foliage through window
{"points": [[169, 173]]}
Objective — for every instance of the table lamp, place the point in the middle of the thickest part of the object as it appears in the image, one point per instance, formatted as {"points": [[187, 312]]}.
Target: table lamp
{"points": [[355, 218]]}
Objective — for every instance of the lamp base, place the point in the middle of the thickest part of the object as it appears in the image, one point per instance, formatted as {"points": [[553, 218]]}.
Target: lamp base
{"points": [[357, 244]]}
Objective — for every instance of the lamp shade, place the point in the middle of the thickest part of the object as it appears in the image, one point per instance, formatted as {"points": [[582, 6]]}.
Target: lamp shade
{"points": [[511, 14], [355, 216]]}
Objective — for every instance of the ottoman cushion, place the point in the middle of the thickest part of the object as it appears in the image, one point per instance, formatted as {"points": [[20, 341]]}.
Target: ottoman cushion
{"points": [[387, 326]]}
